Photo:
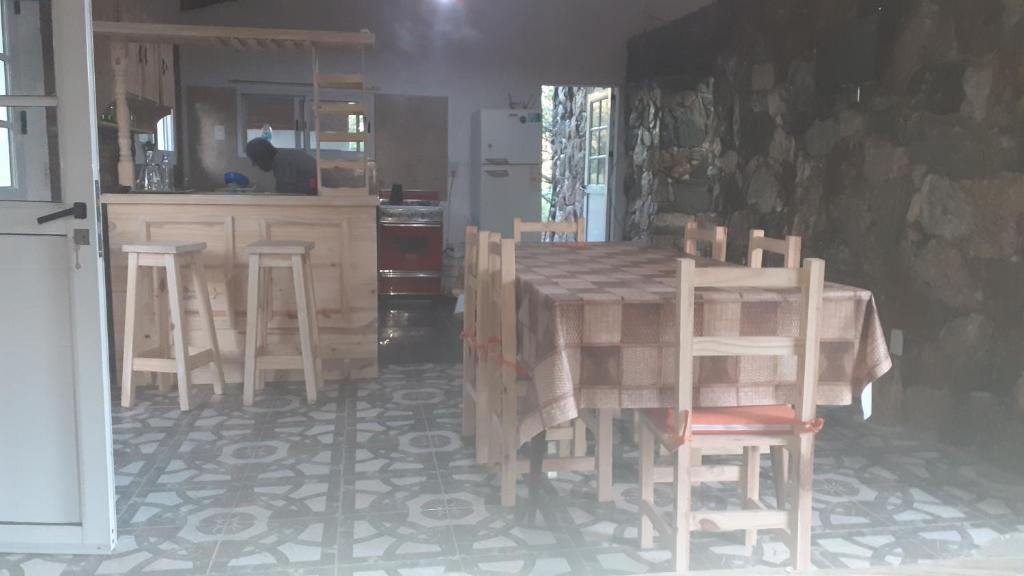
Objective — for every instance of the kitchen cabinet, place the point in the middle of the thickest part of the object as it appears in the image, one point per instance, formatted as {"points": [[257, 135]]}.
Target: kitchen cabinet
{"points": [[148, 70], [166, 74]]}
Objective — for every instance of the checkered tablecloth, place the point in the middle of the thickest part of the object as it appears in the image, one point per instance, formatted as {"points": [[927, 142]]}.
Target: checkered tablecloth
{"points": [[597, 322]]}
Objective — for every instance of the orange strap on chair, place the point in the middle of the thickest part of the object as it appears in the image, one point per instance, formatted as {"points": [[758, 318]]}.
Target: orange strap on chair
{"points": [[470, 339], [814, 426], [521, 371]]}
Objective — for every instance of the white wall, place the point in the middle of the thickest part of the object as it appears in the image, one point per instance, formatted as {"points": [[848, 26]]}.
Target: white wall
{"points": [[475, 52]]}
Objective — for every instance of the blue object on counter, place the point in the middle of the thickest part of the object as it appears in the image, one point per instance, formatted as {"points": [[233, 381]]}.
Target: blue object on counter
{"points": [[236, 179]]}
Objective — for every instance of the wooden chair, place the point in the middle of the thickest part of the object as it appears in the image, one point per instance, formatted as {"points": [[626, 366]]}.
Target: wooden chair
{"points": [[577, 228], [789, 249], [759, 244], [496, 323], [578, 443], [475, 398], [174, 258], [294, 256], [717, 237], [683, 429]]}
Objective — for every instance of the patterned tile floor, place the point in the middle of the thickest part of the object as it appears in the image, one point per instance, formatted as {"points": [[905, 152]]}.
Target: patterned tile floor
{"points": [[376, 480]]}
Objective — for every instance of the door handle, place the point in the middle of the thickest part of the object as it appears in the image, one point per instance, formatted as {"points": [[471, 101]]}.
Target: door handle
{"points": [[497, 173], [78, 210]]}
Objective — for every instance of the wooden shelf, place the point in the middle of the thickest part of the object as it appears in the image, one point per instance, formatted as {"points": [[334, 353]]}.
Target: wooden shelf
{"points": [[239, 38], [354, 165]]}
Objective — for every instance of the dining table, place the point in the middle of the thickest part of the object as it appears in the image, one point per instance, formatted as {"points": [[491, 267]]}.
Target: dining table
{"points": [[597, 330]]}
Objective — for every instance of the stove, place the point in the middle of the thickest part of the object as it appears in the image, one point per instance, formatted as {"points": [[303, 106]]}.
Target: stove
{"points": [[410, 245]]}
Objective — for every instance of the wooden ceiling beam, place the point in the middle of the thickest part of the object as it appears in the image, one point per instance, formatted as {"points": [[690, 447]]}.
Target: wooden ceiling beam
{"points": [[251, 37]]}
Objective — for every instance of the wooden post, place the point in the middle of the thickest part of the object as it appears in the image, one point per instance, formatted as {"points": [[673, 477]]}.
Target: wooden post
{"points": [[125, 162]]}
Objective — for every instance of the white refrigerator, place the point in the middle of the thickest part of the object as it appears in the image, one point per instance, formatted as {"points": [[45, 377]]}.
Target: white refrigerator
{"points": [[506, 181]]}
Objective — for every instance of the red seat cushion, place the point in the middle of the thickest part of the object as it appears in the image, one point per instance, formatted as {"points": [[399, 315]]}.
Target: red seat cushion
{"points": [[738, 420]]}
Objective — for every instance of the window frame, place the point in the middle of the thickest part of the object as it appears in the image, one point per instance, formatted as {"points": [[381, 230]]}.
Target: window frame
{"points": [[6, 122]]}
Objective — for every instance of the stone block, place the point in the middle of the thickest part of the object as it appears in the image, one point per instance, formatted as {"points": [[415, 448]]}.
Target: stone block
{"points": [[977, 88], [941, 209], [821, 137], [851, 124], [763, 186], [762, 76], [942, 269]]}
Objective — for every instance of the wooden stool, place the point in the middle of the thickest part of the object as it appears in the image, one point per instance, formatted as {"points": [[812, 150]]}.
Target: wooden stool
{"points": [[173, 257], [281, 254]]}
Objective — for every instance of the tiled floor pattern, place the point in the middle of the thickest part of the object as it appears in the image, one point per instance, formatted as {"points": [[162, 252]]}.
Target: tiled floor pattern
{"points": [[376, 479]]}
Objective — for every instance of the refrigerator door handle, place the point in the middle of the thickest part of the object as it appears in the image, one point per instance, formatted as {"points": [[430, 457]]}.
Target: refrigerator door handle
{"points": [[497, 173], [496, 161]]}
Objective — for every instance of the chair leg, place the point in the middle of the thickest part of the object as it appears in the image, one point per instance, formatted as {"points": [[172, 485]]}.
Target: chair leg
{"points": [[751, 485], [179, 330], [161, 328], [579, 437], [646, 441], [801, 488], [565, 448], [468, 404], [604, 455], [131, 309], [509, 472], [483, 414], [251, 322], [305, 329], [206, 317], [682, 487], [314, 320], [266, 297], [780, 474]]}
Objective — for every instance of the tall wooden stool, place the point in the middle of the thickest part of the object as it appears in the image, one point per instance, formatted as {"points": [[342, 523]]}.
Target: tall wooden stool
{"points": [[281, 254], [174, 258]]}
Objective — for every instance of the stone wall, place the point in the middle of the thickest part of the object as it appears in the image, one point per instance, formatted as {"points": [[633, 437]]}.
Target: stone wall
{"points": [[568, 153], [910, 183]]}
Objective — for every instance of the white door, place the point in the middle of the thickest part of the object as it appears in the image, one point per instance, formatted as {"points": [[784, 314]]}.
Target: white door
{"points": [[56, 473], [599, 122]]}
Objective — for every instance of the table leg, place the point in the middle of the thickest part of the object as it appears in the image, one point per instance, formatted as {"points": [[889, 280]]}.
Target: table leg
{"points": [[604, 454]]}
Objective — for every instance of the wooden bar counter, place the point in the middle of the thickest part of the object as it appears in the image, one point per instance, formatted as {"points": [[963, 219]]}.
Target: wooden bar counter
{"points": [[344, 271]]}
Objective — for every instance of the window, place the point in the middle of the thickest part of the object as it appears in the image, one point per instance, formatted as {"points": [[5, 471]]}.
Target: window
{"points": [[6, 158], [165, 133], [29, 138], [273, 115], [290, 122], [597, 141]]}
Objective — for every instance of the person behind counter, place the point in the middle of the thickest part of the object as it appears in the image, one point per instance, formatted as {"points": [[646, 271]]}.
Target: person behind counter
{"points": [[294, 170]]}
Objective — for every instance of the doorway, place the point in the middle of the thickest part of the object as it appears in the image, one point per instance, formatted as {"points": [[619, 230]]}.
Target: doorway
{"points": [[579, 156]]}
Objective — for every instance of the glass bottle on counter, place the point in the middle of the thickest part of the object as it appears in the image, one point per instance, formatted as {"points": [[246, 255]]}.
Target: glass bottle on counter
{"points": [[165, 173], [151, 180]]}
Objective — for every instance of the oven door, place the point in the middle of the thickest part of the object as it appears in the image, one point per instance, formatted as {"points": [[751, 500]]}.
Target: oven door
{"points": [[410, 247], [410, 258]]}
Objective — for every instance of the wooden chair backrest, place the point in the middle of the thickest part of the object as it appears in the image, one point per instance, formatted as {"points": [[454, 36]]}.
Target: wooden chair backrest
{"points": [[717, 237], [810, 280], [578, 228], [789, 248], [500, 320], [470, 279]]}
